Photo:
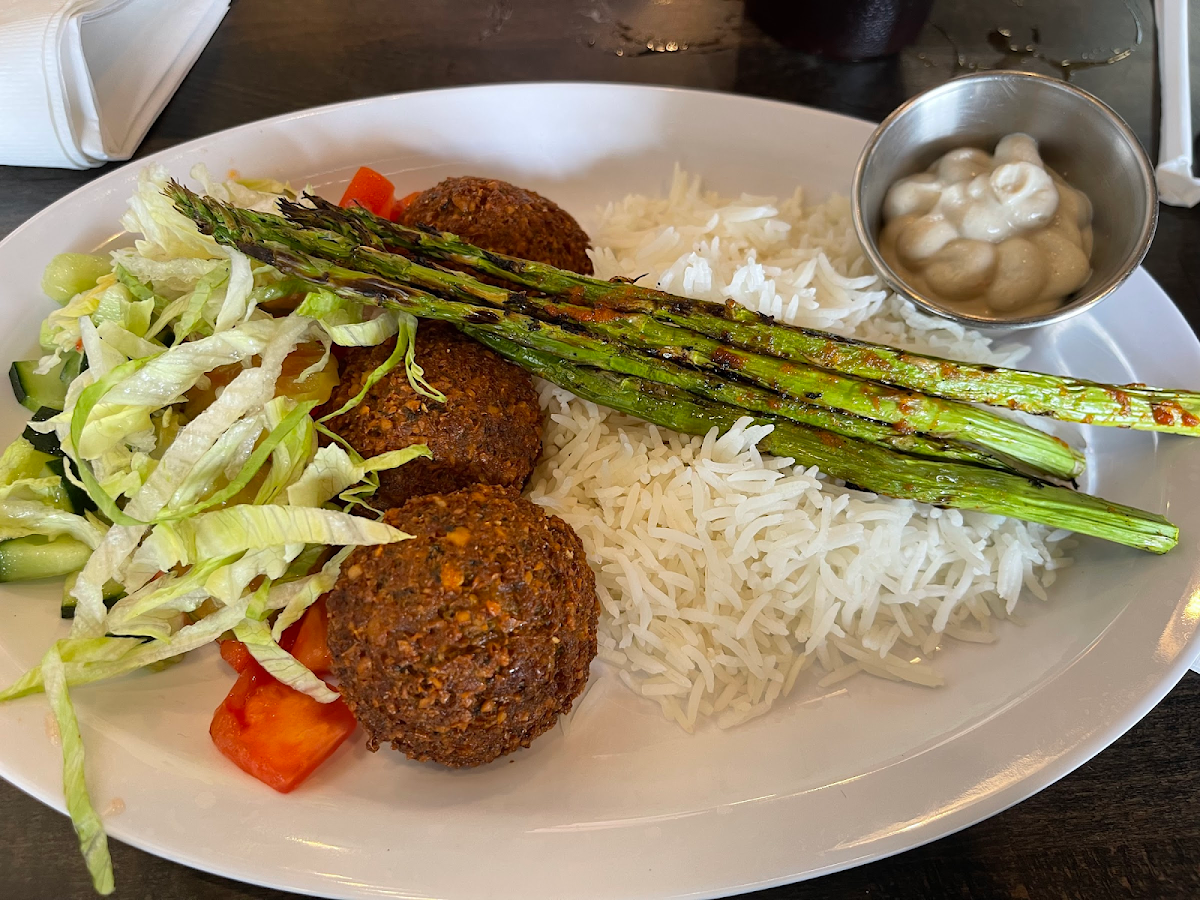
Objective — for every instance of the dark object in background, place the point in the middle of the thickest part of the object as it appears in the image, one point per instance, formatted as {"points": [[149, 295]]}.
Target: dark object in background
{"points": [[841, 29]]}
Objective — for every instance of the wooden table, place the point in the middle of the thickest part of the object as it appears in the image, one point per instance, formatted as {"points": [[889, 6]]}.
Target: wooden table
{"points": [[1126, 824]]}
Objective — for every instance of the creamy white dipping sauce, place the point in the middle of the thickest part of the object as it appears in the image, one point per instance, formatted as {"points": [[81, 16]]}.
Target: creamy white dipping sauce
{"points": [[989, 234]]}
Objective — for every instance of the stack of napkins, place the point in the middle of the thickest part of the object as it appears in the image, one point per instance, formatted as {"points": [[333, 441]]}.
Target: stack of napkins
{"points": [[82, 80]]}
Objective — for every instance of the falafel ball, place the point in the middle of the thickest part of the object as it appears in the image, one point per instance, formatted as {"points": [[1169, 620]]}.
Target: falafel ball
{"points": [[469, 640], [504, 218], [488, 431]]}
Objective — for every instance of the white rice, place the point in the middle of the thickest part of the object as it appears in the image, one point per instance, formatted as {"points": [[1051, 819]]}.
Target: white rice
{"points": [[724, 574]]}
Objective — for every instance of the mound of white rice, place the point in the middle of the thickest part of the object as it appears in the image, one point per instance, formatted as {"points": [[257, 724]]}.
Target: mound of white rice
{"points": [[723, 574]]}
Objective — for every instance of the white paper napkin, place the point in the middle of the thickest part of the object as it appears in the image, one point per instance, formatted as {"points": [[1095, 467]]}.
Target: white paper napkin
{"points": [[1176, 184], [82, 80]]}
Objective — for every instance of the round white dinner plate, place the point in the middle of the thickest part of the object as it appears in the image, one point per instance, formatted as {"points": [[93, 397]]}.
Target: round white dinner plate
{"points": [[623, 804]]}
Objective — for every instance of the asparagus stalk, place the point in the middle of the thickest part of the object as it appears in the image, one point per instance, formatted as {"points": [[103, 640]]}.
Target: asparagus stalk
{"points": [[582, 348], [911, 412], [866, 466], [1069, 399], [845, 412], [861, 463]]}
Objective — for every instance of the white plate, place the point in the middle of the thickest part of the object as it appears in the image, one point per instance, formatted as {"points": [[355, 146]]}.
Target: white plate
{"points": [[626, 805]]}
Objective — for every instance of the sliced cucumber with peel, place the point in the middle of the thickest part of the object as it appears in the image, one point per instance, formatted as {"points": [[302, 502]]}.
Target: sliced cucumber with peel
{"points": [[78, 500], [45, 442], [69, 274], [36, 556], [111, 594], [34, 391]]}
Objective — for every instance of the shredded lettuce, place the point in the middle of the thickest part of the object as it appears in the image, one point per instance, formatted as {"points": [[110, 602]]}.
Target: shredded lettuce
{"points": [[60, 331], [348, 323], [169, 277], [166, 232], [293, 598], [93, 842], [295, 419], [72, 650], [128, 343], [235, 307], [213, 463], [100, 356], [186, 639], [332, 471], [226, 584], [259, 194], [279, 663], [294, 449], [122, 306], [179, 593], [241, 528], [416, 375], [19, 518], [34, 501], [209, 292], [150, 383], [20, 461]]}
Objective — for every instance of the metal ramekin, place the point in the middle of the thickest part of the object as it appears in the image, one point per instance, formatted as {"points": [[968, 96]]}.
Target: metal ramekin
{"points": [[1079, 136]]}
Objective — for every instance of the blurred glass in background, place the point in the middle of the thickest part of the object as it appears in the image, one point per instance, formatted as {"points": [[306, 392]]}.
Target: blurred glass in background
{"points": [[849, 29]]}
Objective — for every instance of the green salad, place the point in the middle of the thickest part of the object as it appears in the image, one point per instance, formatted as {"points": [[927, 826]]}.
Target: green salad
{"points": [[172, 470]]}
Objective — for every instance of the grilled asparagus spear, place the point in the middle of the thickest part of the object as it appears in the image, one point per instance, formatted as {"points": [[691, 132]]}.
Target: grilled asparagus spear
{"points": [[257, 233], [1069, 399], [866, 466]]}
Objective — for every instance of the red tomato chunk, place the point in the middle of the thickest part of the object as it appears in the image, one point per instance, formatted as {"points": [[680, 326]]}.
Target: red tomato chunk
{"points": [[371, 191], [307, 640], [403, 204], [235, 653], [272, 731]]}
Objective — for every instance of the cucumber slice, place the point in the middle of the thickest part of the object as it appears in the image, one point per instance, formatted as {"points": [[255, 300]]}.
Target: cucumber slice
{"points": [[77, 498], [111, 594], [34, 391], [69, 274], [36, 556], [74, 362], [45, 443]]}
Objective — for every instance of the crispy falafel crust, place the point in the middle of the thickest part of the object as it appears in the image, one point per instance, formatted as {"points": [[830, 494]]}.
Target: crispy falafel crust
{"points": [[502, 217], [469, 640], [488, 431]]}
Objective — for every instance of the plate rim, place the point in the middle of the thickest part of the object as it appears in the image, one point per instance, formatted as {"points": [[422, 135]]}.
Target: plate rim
{"points": [[978, 809]]}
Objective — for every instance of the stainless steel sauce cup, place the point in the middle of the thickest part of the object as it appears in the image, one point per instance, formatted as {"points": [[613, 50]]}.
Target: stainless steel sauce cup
{"points": [[1079, 137]]}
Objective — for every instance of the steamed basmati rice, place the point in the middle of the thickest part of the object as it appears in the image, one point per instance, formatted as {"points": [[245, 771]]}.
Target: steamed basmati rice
{"points": [[724, 574]]}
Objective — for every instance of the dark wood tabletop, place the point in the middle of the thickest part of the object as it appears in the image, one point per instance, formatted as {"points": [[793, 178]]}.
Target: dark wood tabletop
{"points": [[1126, 824]]}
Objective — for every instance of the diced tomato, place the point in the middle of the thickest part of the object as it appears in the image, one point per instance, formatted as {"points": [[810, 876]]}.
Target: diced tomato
{"points": [[235, 653], [310, 644], [403, 204], [276, 733], [307, 640], [371, 191]]}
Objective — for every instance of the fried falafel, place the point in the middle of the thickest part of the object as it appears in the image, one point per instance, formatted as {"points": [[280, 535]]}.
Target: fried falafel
{"points": [[489, 429], [504, 218], [469, 640]]}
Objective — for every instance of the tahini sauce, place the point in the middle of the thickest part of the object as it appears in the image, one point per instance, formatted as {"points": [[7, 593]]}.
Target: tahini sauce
{"points": [[996, 235]]}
